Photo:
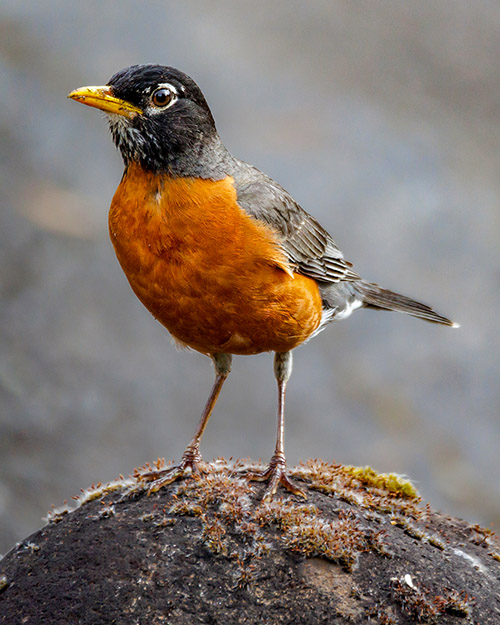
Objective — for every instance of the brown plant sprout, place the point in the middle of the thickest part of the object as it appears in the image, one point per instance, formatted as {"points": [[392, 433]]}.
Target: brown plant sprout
{"points": [[56, 514], [212, 534], [418, 602], [106, 511], [480, 535], [417, 532], [454, 602], [383, 615], [4, 583], [245, 575]]}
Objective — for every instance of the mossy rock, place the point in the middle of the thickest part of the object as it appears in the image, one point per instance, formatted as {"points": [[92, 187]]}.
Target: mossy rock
{"points": [[361, 549]]}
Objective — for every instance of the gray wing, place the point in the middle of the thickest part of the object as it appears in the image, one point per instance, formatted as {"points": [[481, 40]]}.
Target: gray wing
{"points": [[307, 244]]}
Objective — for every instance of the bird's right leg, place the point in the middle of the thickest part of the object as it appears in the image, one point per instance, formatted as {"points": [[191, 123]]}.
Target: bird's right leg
{"points": [[191, 456]]}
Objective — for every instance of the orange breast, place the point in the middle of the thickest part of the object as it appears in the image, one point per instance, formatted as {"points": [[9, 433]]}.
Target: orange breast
{"points": [[211, 274]]}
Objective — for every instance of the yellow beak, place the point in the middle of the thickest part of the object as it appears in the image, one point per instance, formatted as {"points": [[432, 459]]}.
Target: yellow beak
{"points": [[102, 98]]}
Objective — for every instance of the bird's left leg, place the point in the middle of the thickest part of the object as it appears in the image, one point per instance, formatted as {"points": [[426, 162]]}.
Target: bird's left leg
{"points": [[276, 471]]}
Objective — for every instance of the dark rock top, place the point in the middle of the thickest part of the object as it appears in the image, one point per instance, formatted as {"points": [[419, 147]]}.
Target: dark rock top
{"points": [[361, 549]]}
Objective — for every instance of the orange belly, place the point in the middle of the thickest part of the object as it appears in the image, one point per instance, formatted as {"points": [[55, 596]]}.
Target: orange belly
{"points": [[211, 274]]}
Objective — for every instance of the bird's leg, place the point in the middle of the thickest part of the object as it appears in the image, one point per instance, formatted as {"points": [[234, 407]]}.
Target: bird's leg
{"points": [[276, 471], [191, 456]]}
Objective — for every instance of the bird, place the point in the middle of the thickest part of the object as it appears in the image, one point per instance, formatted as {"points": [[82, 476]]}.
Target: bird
{"points": [[220, 254]]}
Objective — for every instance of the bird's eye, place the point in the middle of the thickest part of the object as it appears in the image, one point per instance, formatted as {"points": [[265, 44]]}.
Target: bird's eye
{"points": [[163, 97]]}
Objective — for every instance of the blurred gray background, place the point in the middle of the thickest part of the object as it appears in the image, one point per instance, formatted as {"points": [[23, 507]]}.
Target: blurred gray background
{"points": [[381, 118]]}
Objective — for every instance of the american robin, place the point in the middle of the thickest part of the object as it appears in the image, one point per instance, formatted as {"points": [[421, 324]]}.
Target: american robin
{"points": [[216, 250]]}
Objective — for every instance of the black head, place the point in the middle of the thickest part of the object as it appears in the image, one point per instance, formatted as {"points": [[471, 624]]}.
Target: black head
{"points": [[159, 118]]}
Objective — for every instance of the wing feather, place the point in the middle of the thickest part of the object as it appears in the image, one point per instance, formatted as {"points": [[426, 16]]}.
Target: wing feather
{"points": [[309, 247]]}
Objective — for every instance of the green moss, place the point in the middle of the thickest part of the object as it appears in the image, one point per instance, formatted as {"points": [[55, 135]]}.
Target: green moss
{"points": [[391, 482]]}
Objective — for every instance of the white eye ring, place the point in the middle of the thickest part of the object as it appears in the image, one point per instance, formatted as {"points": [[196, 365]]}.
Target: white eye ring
{"points": [[163, 97]]}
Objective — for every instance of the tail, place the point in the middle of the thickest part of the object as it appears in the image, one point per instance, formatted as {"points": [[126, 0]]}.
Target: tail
{"points": [[383, 299]]}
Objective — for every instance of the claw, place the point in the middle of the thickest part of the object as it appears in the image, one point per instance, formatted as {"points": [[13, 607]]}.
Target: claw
{"points": [[276, 475], [190, 464]]}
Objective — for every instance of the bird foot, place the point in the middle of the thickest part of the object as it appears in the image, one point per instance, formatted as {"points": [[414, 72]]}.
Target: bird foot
{"points": [[189, 465], [276, 475]]}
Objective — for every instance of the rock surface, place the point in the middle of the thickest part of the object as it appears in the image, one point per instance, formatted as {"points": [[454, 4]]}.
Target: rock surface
{"points": [[361, 549]]}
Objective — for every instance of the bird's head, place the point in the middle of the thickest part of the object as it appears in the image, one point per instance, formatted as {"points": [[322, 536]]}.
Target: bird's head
{"points": [[157, 115]]}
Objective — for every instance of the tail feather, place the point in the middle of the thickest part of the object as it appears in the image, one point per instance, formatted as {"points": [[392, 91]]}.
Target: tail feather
{"points": [[376, 297]]}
